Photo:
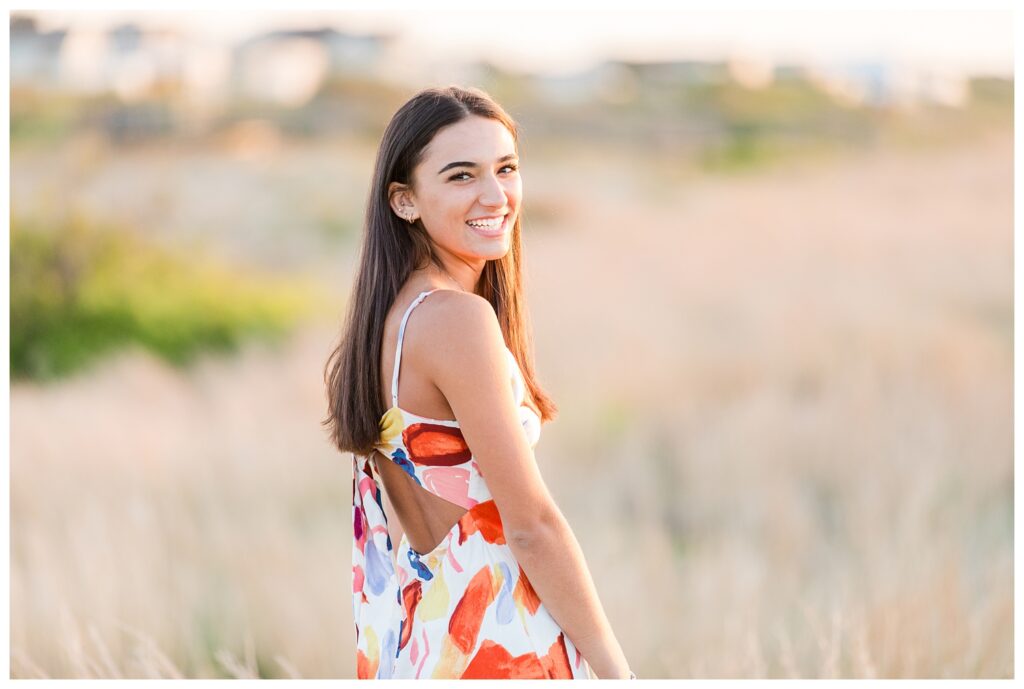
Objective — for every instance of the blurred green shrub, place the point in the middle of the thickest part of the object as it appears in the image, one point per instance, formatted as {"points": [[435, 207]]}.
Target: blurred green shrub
{"points": [[80, 290], [745, 146], [39, 119]]}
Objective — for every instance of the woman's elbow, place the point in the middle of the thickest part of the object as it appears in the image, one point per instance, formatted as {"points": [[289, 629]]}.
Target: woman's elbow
{"points": [[539, 525]]}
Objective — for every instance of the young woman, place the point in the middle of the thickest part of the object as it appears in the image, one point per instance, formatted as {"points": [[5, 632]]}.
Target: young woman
{"points": [[488, 579]]}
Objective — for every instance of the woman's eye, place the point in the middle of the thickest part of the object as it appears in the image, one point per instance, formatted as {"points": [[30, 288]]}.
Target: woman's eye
{"points": [[511, 168]]}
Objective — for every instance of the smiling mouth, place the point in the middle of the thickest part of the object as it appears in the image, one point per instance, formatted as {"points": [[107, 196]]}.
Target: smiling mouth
{"points": [[492, 227]]}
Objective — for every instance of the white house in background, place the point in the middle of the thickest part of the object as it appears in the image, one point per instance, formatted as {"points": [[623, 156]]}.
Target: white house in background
{"points": [[288, 66], [137, 61], [568, 89], [681, 72], [35, 55], [618, 81], [867, 83], [890, 84], [124, 59]]}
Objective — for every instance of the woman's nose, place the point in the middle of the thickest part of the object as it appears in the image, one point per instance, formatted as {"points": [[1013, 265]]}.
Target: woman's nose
{"points": [[493, 193]]}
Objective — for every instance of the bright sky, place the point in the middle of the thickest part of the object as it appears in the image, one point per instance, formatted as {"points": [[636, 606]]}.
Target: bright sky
{"points": [[561, 41]]}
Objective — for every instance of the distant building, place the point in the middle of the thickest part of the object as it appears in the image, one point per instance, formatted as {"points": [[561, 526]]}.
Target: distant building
{"points": [[141, 62], [35, 55], [619, 81], [888, 84], [786, 72], [681, 72], [289, 66], [124, 59], [567, 89]]}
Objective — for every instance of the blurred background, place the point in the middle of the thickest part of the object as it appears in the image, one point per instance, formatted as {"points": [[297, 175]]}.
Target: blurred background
{"points": [[770, 271]]}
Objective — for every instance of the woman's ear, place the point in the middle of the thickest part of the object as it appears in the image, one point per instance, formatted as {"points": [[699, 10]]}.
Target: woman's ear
{"points": [[401, 200]]}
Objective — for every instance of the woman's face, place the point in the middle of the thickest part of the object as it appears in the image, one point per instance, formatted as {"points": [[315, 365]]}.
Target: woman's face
{"points": [[469, 172]]}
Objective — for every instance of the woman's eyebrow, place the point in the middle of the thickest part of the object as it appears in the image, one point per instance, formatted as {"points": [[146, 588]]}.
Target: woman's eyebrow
{"points": [[466, 163]]}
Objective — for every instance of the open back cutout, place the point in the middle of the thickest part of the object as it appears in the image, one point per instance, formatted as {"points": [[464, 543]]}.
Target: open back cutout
{"points": [[426, 518]]}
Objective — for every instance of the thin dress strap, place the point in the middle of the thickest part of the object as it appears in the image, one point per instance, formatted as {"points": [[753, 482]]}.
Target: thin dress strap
{"points": [[398, 348]]}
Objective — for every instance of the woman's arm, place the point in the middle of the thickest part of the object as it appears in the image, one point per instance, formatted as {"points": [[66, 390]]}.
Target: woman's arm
{"points": [[554, 563], [464, 352]]}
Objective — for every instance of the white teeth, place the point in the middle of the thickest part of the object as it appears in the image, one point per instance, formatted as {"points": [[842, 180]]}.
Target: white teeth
{"points": [[496, 222]]}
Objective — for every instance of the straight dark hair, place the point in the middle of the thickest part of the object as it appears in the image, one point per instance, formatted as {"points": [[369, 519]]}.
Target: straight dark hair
{"points": [[392, 249]]}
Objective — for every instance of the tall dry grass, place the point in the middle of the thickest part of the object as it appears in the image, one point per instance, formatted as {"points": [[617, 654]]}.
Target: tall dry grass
{"points": [[785, 442]]}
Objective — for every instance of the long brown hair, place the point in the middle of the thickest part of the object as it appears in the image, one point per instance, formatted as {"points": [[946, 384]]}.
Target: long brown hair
{"points": [[392, 249]]}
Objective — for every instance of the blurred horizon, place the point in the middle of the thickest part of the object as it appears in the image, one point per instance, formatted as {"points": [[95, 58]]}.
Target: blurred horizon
{"points": [[976, 42], [904, 51]]}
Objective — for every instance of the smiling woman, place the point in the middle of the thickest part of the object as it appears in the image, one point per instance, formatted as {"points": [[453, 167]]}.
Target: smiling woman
{"points": [[482, 195], [489, 581]]}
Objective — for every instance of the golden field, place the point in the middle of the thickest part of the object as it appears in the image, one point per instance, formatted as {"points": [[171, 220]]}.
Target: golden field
{"points": [[784, 443]]}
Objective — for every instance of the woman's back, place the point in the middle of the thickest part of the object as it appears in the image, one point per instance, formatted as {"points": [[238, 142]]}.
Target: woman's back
{"points": [[464, 608], [424, 517]]}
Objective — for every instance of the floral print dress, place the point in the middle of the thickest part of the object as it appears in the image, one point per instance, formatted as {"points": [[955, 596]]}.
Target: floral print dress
{"points": [[465, 609]]}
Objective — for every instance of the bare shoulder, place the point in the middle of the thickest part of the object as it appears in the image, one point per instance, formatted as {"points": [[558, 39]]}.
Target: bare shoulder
{"points": [[464, 354], [458, 323]]}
